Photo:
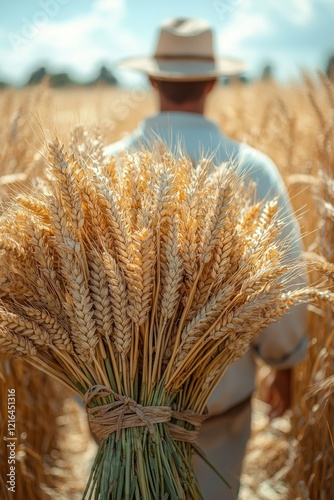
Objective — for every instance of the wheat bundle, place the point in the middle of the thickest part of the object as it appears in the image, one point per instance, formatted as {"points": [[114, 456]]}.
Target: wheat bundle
{"points": [[136, 287]]}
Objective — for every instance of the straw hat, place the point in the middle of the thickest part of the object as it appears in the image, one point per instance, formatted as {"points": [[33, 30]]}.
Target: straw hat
{"points": [[184, 52]]}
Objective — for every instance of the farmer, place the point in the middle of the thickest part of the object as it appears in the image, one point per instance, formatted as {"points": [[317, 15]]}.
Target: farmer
{"points": [[183, 71]]}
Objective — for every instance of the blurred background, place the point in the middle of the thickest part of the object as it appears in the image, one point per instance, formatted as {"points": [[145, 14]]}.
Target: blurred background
{"points": [[78, 41]]}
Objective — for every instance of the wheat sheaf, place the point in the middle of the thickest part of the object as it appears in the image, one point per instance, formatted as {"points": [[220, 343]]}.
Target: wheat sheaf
{"points": [[136, 283]]}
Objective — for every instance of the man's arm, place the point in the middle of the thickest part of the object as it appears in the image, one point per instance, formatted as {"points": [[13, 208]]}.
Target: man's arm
{"points": [[278, 392]]}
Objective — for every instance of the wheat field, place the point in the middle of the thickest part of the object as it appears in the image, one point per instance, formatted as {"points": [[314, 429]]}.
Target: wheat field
{"points": [[292, 457]]}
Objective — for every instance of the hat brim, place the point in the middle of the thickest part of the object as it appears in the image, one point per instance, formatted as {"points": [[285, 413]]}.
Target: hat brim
{"points": [[184, 69]]}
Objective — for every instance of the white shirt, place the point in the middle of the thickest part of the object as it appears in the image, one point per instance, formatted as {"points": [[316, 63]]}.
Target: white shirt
{"points": [[283, 343]]}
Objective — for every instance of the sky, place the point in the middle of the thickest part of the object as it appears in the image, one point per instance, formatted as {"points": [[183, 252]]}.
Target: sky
{"points": [[78, 36]]}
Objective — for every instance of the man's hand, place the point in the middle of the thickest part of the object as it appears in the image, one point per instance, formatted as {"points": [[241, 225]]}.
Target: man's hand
{"points": [[278, 392]]}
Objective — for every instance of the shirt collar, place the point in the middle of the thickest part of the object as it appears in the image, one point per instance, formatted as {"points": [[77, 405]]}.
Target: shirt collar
{"points": [[178, 119]]}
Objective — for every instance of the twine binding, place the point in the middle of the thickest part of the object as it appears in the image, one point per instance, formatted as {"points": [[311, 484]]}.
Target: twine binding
{"points": [[124, 412]]}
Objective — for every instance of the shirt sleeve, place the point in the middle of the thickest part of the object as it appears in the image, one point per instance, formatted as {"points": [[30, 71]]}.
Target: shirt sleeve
{"points": [[283, 343]]}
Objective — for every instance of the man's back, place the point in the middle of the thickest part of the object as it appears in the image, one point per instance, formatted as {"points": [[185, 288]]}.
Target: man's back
{"points": [[198, 137], [190, 133]]}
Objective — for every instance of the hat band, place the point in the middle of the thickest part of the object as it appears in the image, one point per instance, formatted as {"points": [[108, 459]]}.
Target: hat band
{"points": [[185, 56]]}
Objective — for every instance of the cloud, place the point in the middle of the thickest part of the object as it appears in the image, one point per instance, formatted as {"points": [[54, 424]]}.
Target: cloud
{"points": [[79, 44], [109, 6], [242, 29], [298, 29]]}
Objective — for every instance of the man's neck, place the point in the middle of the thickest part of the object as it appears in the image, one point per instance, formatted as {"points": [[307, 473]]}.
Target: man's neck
{"points": [[187, 107]]}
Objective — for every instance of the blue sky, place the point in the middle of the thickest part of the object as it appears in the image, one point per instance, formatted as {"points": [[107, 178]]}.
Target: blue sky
{"points": [[79, 35]]}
